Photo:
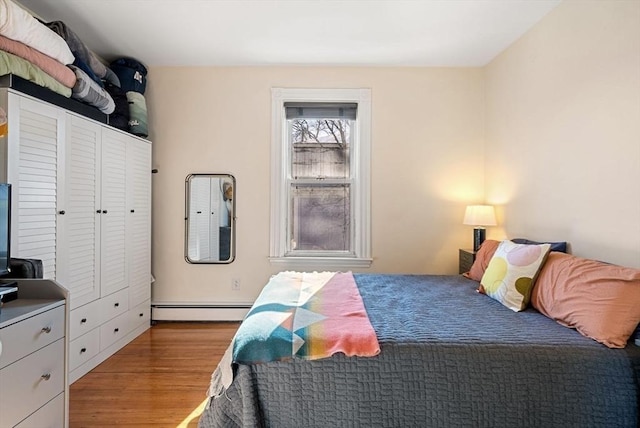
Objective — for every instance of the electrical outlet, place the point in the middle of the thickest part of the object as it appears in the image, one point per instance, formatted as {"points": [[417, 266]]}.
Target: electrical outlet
{"points": [[235, 284]]}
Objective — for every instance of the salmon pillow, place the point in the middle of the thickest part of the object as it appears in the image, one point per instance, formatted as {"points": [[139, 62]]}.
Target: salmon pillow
{"points": [[511, 273], [483, 257], [600, 300]]}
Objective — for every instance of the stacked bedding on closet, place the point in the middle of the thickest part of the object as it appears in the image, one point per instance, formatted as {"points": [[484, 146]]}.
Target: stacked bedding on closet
{"points": [[30, 50], [53, 56]]}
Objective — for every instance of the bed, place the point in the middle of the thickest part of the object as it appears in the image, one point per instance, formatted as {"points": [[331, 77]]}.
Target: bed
{"points": [[449, 356]]}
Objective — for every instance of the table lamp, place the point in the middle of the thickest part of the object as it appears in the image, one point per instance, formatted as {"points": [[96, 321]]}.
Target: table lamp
{"points": [[479, 216]]}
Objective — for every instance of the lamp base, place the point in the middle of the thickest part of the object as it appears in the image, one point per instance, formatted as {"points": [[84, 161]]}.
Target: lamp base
{"points": [[479, 234]]}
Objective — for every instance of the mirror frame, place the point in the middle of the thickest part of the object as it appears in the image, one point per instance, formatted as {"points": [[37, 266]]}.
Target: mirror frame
{"points": [[232, 220]]}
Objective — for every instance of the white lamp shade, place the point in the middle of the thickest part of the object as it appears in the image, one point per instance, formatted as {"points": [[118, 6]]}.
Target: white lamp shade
{"points": [[480, 215]]}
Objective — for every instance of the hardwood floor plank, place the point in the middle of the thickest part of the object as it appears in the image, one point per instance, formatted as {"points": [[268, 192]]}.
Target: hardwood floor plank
{"points": [[158, 380]]}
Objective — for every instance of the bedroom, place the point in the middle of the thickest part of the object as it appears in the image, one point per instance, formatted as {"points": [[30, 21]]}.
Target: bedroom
{"points": [[547, 131]]}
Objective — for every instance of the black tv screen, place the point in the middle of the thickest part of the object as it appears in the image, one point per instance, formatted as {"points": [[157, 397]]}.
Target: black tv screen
{"points": [[5, 227]]}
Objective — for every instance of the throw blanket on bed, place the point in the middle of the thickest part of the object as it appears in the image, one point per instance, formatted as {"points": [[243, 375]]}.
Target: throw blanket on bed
{"points": [[17, 24], [304, 315]]}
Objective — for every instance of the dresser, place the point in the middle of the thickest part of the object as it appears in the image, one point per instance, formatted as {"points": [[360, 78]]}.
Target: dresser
{"points": [[465, 260], [33, 356]]}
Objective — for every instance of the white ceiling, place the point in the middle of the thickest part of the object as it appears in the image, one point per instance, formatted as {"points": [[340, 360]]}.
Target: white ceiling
{"points": [[297, 32]]}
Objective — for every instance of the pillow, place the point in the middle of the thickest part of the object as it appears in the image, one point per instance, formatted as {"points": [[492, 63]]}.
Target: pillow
{"points": [[483, 257], [511, 272], [600, 300], [555, 246]]}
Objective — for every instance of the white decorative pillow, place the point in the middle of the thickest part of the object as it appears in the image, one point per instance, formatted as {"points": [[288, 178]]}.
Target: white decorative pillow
{"points": [[511, 272]]}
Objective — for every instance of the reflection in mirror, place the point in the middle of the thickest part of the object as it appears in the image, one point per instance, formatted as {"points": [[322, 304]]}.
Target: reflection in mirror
{"points": [[210, 218]]}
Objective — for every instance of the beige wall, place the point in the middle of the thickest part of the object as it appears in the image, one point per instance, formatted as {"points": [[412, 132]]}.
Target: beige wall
{"points": [[563, 130], [427, 164]]}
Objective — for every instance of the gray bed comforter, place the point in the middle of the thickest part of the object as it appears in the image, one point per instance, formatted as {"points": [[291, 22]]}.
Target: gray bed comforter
{"points": [[450, 358]]}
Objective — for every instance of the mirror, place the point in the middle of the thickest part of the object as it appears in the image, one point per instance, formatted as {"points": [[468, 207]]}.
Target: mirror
{"points": [[210, 218]]}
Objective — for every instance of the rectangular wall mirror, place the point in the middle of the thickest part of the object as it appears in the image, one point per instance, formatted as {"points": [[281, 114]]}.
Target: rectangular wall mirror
{"points": [[210, 218]]}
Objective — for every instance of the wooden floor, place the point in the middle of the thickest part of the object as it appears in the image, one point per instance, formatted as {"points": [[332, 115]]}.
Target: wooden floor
{"points": [[158, 380]]}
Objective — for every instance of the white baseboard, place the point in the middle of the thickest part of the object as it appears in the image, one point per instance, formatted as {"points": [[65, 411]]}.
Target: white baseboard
{"points": [[176, 312]]}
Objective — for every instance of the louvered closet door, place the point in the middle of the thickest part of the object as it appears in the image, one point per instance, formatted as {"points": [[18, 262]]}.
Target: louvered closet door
{"points": [[35, 129], [139, 220], [113, 266], [79, 270]]}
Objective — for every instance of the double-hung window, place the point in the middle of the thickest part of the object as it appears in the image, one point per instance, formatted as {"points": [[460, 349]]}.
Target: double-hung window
{"points": [[320, 204]]}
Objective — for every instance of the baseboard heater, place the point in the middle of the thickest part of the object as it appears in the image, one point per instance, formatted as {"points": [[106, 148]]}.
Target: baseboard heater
{"points": [[198, 312]]}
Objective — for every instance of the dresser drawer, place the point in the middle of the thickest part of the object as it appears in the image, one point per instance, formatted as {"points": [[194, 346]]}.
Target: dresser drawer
{"points": [[33, 333], [84, 348], [114, 330], [84, 319], [139, 315], [31, 382], [51, 415], [114, 304]]}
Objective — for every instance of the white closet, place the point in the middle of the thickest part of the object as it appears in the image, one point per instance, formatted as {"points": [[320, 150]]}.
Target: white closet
{"points": [[204, 212], [82, 204]]}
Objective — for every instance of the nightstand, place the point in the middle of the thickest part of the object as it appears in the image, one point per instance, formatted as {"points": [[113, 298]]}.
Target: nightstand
{"points": [[465, 260]]}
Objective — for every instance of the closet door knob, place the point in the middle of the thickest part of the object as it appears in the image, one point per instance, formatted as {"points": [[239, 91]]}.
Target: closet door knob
{"points": [[99, 211], [62, 212], [83, 320], [104, 211], [83, 350], [133, 211]]}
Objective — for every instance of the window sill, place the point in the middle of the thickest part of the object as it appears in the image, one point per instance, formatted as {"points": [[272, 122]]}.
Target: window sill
{"points": [[323, 262]]}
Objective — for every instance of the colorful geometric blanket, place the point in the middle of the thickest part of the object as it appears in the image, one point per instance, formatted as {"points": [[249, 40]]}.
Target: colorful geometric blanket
{"points": [[300, 315]]}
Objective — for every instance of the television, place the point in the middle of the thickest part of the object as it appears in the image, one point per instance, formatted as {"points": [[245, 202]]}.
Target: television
{"points": [[5, 228]]}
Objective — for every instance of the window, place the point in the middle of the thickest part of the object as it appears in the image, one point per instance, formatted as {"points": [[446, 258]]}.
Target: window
{"points": [[320, 204]]}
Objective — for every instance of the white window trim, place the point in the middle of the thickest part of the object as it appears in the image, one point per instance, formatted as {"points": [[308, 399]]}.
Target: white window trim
{"points": [[361, 172]]}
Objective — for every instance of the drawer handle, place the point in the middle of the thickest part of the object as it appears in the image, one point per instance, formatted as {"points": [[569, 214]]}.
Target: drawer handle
{"points": [[141, 314], [115, 330], [83, 350], [83, 320], [46, 376], [46, 329], [115, 305]]}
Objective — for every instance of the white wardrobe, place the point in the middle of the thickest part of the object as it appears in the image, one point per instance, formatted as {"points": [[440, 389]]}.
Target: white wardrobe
{"points": [[82, 204]]}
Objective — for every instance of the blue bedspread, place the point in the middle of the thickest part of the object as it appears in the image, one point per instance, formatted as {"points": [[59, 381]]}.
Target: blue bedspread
{"points": [[449, 357]]}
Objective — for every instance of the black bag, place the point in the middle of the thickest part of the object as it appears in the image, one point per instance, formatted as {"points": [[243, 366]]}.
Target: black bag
{"points": [[120, 116], [25, 268]]}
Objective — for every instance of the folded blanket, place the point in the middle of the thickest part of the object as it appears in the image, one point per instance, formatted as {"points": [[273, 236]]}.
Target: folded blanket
{"points": [[88, 91], [137, 114], [17, 24], [53, 68], [12, 64], [303, 315], [83, 53]]}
